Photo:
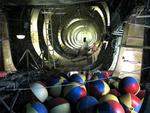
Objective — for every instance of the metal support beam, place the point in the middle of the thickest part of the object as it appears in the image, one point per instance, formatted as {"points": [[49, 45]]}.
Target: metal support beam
{"points": [[5, 104]]}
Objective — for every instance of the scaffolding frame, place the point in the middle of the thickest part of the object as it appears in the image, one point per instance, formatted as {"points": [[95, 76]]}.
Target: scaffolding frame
{"points": [[49, 36]]}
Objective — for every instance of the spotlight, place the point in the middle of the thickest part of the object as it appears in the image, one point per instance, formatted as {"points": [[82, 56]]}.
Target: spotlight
{"points": [[20, 36]]}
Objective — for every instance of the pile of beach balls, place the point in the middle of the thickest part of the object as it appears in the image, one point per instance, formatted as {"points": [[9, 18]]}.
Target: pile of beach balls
{"points": [[75, 94]]}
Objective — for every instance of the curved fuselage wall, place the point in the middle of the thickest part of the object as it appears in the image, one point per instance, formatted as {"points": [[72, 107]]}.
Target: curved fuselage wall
{"points": [[8, 62]]}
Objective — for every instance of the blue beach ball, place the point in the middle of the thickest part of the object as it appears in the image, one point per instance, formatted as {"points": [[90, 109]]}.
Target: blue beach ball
{"points": [[129, 85], [36, 107], [55, 86], [87, 104], [58, 105], [74, 91], [80, 78], [98, 88], [39, 90], [110, 106]]}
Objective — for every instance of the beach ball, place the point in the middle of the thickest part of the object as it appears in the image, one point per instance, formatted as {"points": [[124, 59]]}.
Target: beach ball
{"points": [[107, 73], [88, 75], [131, 103], [3, 74], [39, 90], [36, 107], [58, 105], [99, 75], [87, 104], [142, 100], [114, 82], [70, 73], [48, 99], [98, 88], [74, 91], [80, 78], [110, 106], [55, 86], [109, 97], [129, 85]]}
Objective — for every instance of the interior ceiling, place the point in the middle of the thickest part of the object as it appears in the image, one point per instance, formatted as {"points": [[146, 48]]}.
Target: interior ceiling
{"points": [[43, 2]]}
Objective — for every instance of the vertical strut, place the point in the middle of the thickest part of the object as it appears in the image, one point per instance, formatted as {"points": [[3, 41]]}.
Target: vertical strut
{"points": [[49, 37]]}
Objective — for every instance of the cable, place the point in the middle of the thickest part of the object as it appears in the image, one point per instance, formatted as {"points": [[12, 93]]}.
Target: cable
{"points": [[64, 85], [6, 106], [61, 85], [14, 101]]}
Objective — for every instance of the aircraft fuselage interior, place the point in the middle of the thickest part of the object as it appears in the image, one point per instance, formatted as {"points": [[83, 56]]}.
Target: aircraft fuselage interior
{"points": [[49, 42]]}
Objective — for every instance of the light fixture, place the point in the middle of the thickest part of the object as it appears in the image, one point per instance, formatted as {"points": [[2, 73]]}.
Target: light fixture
{"points": [[20, 36], [22, 31]]}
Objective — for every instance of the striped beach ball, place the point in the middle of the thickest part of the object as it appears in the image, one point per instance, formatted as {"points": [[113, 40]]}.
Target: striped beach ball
{"points": [[55, 86], [74, 91], [110, 106], [98, 88], [109, 97], [80, 78], [114, 82], [129, 85], [131, 103], [39, 90], [98, 75], [36, 107], [108, 73], [101, 75], [87, 104], [58, 105]]}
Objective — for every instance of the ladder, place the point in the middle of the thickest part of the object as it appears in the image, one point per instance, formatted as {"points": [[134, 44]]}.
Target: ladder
{"points": [[49, 38]]}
